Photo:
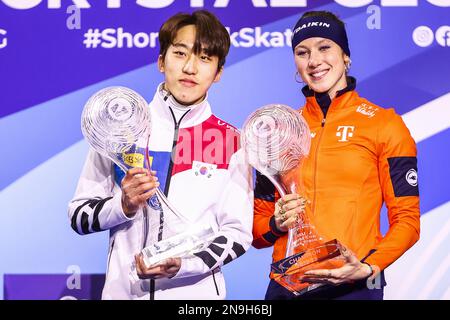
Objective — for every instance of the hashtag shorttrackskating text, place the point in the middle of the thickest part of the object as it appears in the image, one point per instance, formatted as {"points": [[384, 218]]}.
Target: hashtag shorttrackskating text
{"points": [[111, 38]]}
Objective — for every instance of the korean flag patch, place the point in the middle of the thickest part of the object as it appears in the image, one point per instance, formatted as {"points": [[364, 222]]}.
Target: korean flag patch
{"points": [[203, 169]]}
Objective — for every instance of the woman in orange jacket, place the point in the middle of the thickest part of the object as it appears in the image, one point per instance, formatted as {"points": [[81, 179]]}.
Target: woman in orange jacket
{"points": [[361, 156]]}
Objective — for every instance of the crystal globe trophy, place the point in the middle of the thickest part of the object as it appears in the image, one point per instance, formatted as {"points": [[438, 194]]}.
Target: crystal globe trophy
{"points": [[276, 140], [116, 122]]}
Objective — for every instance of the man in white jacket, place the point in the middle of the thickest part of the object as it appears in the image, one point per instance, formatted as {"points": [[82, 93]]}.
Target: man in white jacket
{"points": [[197, 162]]}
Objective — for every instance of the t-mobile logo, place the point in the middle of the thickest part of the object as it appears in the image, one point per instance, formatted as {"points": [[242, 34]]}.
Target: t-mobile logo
{"points": [[345, 132]]}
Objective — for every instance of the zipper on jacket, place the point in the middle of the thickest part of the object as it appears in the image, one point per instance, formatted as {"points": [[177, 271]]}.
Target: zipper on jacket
{"points": [[316, 155], [144, 242], [174, 145], [317, 151], [166, 189], [145, 215], [152, 289], [169, 171]]}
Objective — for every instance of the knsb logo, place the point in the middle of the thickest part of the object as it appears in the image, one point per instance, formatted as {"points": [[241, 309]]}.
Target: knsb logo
{"points": [[3, 39], [423, 36], [366, 110], [345, 132]]}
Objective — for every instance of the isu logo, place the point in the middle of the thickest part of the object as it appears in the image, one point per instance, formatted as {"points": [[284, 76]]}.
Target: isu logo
{"points": [[345, 132]]}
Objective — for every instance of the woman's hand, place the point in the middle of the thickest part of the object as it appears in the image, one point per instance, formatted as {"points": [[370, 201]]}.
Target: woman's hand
{"points": [[351, 271], [287, 210]]}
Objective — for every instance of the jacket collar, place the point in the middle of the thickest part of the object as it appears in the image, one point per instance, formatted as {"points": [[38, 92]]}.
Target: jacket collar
{"points": [[351, 85], [197, 114], [319, 103]]}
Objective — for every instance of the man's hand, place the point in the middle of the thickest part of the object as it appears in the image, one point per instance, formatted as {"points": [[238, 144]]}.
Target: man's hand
{"points": [[165, 269], [287, 210], [138, 186], [351, 271]]}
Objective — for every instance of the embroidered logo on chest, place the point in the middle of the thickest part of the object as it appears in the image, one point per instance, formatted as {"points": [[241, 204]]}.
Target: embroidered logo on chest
{"points": [[345, 132], [154, 202], [367, 110]]}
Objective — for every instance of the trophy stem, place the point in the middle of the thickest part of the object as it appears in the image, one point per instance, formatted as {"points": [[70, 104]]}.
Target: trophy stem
{"points": [[119, 164], [277, 182], [164, 200], [303, 225], [159, 193]]}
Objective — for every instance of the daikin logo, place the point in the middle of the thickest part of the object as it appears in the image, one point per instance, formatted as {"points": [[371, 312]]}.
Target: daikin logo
{"points": [[312, 24], [158, 4]]}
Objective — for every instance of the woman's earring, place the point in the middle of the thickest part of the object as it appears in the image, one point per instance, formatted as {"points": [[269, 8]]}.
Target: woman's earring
{"points": [[348, 65], [297, 76]]}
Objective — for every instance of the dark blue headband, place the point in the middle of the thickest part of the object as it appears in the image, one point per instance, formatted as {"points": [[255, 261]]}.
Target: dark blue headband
{"points": [[320, 27]]}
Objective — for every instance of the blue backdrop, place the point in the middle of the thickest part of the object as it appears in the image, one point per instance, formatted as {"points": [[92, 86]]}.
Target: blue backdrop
{"points": [[54, 56]]}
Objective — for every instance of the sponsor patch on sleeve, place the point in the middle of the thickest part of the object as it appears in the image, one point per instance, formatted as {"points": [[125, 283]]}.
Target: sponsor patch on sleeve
{"points": [[403, 172]]}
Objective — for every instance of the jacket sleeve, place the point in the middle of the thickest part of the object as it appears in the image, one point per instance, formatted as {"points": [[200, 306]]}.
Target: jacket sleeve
{"points": [[397, 167], [96, 205], [234, 216], [265, 232]]}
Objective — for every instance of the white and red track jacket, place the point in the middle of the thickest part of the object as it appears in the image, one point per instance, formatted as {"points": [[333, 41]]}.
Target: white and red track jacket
{"points": [[203, 173]]}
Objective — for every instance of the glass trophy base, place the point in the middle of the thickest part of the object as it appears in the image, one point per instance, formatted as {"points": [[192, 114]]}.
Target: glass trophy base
{"points": [[185, 243], [289, 272]]}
